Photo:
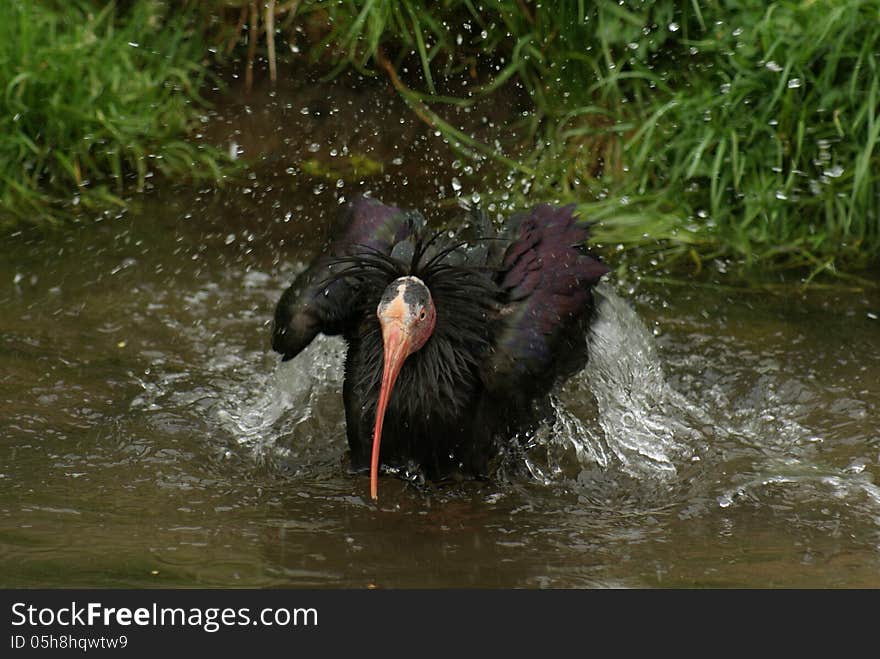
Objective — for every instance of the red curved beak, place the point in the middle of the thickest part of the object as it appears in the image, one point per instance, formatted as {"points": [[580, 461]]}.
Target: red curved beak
{"points": [[397, 348]]}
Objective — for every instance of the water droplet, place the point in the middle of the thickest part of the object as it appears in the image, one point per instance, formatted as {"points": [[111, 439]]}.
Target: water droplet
{"points": [[781, 195], [794, 83], [834, 172], [456, 184], [674, 27], [857, 466], [773, 66]]}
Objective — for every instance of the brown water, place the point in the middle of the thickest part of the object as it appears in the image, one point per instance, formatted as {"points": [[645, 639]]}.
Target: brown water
{"points": [[151, 438]]}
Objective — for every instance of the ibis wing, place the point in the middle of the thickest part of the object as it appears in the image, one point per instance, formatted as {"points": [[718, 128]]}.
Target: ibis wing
{"points": [[547, 276], [319, 300], [367, 224]]}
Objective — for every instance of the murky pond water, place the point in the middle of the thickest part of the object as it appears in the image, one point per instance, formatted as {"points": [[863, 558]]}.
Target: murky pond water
{"points": [[151, 438]]}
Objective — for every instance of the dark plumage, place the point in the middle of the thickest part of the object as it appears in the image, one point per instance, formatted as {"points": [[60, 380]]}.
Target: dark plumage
{"points": [[512, 310]]}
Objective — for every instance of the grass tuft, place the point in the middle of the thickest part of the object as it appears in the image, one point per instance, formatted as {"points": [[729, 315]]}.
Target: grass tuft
{"points": [[93, 100], [728, 129]]}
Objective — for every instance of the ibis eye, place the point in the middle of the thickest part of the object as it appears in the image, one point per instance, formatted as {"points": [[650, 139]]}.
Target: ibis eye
{"points": [[423, 315]]}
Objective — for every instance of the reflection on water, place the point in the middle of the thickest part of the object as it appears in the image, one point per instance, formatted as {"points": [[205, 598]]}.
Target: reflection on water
{"points": [[150, 436]]}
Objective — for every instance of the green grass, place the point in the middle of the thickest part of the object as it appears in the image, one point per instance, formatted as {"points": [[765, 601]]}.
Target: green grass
{"points": [[767, 150], [93, 100], [689, 130]]}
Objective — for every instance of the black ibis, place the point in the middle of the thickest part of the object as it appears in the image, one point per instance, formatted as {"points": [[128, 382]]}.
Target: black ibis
{"points": [[450, 341]]}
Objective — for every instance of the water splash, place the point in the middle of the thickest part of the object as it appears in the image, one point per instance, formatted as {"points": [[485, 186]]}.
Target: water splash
{"points": [[647, 424], [564, 445], [619, 414], [299, 393], [804, 485]]}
